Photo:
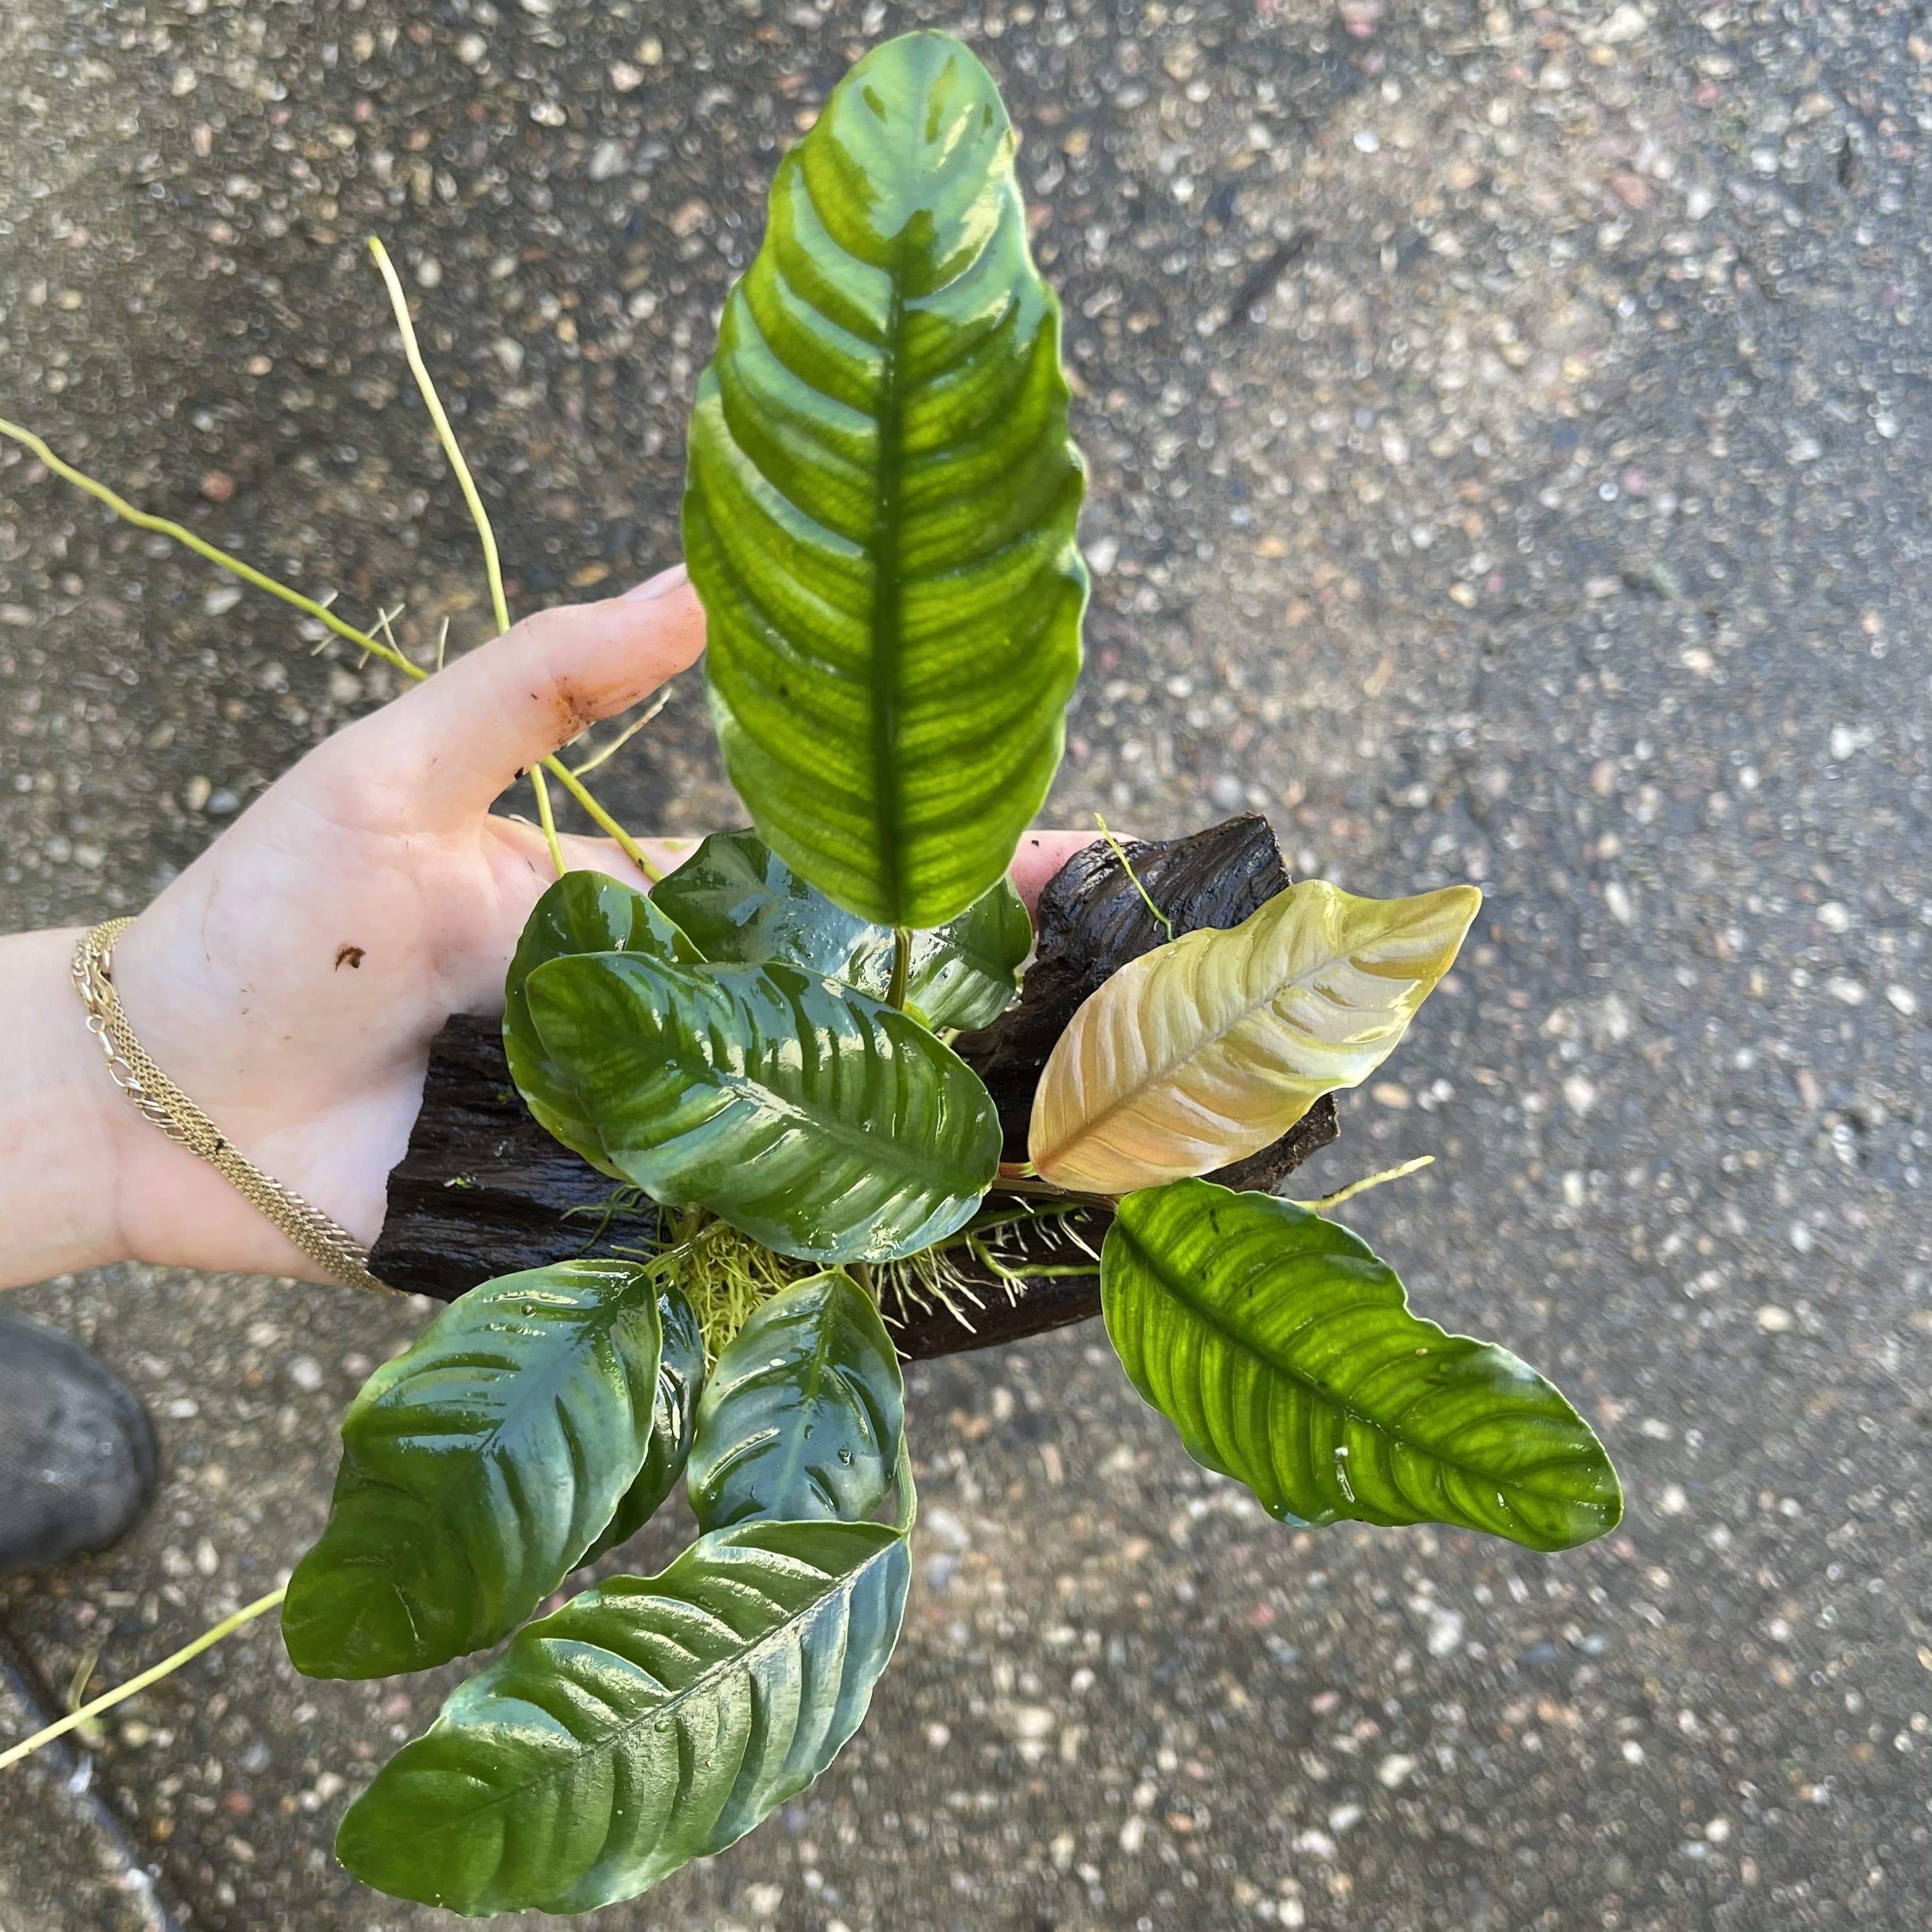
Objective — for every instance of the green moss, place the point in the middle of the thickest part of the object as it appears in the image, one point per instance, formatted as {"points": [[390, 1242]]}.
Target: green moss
{"points": [[724, 1275]]}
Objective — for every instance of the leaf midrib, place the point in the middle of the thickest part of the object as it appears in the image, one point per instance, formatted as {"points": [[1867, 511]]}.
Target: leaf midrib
{"points": [[813, 1372], [877, 1150], [922, 1160], [1156, 1072], [888, 626], [811, 1368], [544, 1387], [1177, 1287], [844, 1582]]}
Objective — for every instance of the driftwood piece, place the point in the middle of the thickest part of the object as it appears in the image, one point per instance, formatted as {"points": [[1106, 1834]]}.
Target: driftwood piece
{"points": [[482, 1190]]}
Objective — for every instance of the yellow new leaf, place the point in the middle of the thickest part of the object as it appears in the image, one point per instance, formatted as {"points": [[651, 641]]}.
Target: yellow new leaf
{"points": [[1205, 1051]]}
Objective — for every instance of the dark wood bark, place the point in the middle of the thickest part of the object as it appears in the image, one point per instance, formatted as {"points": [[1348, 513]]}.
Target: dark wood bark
{"points": [[482, 1190]]}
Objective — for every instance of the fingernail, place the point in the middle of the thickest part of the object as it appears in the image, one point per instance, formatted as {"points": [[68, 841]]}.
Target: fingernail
{"points": [[656, 586]]}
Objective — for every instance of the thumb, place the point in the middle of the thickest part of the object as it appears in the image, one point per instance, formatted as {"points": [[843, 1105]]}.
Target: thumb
{"points": [[1041, 854], [457, 741]]}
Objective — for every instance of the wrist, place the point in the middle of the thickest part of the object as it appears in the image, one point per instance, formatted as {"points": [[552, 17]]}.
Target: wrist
{"points": [[61, 1146], [172, 1206], [85, 1179]]}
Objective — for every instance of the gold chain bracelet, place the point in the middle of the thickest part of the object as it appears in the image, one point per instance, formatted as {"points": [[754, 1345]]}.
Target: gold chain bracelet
{"points": [[325, 1243]]}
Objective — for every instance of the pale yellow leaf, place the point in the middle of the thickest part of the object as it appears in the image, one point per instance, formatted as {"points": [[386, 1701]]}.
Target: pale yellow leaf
{"points": [[1205, 1051]]}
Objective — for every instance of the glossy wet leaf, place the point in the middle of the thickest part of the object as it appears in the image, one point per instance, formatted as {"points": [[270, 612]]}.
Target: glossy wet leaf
{"points": [[583, 912], [879, 513], [822, 1123], [742, 905], [1205, 1050], [476, 1468], [803, 1415], [673, 1418], [1286, 1354], [966, 973], [647, 1723]]}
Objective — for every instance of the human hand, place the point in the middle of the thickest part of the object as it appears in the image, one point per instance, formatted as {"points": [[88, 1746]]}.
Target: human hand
{"points": [[291, 979]]}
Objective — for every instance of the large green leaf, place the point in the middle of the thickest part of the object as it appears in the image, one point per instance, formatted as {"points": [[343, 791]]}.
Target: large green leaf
{"points": [[818, 1121], [583, 912], [673, 1419], [1285, 1353], [1207, 1049], [476, 1468], [645, 1723], [742, 905], [804, 1413], [879, 513]]}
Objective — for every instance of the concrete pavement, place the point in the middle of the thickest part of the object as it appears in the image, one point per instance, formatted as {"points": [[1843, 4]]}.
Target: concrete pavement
{"points": [[1509, 428]]}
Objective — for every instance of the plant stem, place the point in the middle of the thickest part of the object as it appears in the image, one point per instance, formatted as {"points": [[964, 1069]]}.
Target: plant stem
{"points": [[895, 993], [625, 844], [547, 820], [987, 1218], [208, 1638], [1033, 1271], [1368, 1181], [1031, 1184], [493, 567]]}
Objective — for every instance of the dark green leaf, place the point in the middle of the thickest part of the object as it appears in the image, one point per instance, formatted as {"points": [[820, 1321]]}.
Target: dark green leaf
{"points": [[742, 905], [673, 1418], [880, 514], [804, 1413], [476, 1468], [645, 1723], [818, 1121], [1285, 1353], [583, 912]]}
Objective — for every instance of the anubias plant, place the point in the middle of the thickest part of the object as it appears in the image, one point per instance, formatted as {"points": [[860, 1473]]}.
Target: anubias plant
{"points": [[880, 521]]}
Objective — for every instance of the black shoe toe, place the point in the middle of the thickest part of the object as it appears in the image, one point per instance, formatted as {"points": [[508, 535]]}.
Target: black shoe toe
{"points": [[77, 1457]]}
